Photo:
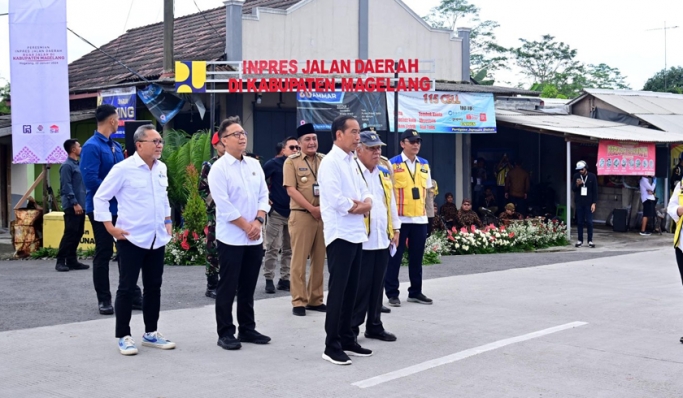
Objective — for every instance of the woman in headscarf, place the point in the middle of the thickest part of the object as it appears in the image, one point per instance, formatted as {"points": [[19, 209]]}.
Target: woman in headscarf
{"points": [[467, 217], [449, 211]]}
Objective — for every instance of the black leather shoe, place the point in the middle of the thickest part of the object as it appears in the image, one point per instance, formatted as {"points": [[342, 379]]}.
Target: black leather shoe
{"points": [[229, 342], [137, 304], [420, 299], [78, 266], [299, 311], [384, 336], [319, 308], [210, 293], [681, 340], [283, 285], [385, 310], [270, 287], [62, 267], [253, 337], [394, 302], [106, 308]]}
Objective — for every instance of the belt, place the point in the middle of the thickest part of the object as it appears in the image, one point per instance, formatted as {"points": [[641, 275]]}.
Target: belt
{"points": [[301, 210]]}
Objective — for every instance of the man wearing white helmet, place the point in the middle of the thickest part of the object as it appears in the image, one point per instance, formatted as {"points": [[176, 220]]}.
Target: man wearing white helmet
{"points": [[585, 197]]}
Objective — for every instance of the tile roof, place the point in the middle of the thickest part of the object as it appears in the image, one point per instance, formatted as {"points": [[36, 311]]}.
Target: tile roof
{"points": [[142, 48]]}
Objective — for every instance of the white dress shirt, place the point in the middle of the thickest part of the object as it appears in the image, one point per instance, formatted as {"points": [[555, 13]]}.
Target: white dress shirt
{"points": [[646, 186], [412, 166], [340, 184], [143, 201], [672, 208], [238, 188], [379, 239]]}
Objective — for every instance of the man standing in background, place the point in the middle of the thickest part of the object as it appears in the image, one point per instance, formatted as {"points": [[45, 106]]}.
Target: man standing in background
{"points": [[98, 155], [73, 199], [647, 196], [212, 266], [517, 187], [277, 231], [585, 198]]}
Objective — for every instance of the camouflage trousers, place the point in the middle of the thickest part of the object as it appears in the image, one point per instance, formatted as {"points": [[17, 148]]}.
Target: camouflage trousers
{"points": [[212, 266]]}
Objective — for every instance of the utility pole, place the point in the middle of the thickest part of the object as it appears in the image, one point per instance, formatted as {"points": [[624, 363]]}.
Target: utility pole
{"points": [[665, 28], [168, 72]]}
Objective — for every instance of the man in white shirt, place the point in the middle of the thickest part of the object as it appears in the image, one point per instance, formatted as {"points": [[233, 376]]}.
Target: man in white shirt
{"points": [[647, 196], [239, 190], [412, 180], [142, 230], [384, 230], [344, 202], [675, 210]]}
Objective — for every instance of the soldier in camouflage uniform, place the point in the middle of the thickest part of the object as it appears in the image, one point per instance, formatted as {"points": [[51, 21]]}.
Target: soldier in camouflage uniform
{"points": [[205, 193]]}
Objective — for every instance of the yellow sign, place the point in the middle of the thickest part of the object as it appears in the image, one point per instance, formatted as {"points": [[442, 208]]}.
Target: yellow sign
{"points": [[190, 77], [53, 229]]}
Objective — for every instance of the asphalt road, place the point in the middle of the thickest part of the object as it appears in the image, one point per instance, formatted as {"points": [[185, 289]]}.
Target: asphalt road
{"points": [[33, 294]]}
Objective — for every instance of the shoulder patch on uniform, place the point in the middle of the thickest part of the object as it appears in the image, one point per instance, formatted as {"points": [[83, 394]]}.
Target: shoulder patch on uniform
{"points": [[320, 155], [294, 155]]}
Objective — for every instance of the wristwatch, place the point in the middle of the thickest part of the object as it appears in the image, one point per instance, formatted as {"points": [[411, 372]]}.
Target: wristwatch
{"points": [[261, 220]]}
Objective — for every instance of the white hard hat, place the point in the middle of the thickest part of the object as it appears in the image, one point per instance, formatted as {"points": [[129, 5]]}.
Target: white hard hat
{"points": [[580, 165]]}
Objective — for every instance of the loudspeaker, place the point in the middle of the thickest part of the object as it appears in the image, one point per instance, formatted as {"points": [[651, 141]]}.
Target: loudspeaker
{"points": [[619, 222], [131, 126]]}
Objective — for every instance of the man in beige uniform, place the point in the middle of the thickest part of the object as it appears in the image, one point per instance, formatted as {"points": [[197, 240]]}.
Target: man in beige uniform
{"points": [[305, 223]]}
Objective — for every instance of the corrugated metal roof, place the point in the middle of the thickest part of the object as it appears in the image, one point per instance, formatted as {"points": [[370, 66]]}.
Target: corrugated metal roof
{"points": [[662, 110], [586, 127], [476, 88]]}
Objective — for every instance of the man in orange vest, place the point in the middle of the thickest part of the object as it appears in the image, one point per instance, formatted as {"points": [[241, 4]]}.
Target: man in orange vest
{"points": [[412, 179]]}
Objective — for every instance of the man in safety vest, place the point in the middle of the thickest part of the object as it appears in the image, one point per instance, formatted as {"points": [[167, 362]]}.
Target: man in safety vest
{"points": [[412, 179]]}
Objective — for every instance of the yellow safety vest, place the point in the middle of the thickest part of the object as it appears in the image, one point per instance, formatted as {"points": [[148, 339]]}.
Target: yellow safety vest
{"points": [[404, 183], [385, 179], [679, 223]]}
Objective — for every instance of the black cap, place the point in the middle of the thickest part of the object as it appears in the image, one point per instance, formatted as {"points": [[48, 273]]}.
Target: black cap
{"points": [[411, 135], [104, 111], [370, 138], [304, 129]]}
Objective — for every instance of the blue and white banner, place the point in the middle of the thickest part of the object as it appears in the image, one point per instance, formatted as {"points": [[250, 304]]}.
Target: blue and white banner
{"points": [[443, 112], [39, 73], [321, 108], [123, 99], [164, 106]]}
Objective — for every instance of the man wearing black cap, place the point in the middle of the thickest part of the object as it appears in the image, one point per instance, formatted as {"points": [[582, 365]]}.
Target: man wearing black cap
{"points": [[305, 223], [384, 226], [677, 172], [277, 230], [98, 155], [412, 179]]}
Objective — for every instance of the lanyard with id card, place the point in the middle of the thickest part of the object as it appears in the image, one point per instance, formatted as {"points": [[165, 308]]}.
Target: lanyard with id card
{"points": [[415, 190], [584, 188], [316, 187]]}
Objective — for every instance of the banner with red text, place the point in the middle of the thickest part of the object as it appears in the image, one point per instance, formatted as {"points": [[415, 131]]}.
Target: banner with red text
{"points": [[626, 158], [444, 112], [40, 80]]}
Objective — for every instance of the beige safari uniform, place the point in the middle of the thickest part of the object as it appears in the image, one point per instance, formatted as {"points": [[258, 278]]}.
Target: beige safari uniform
{"points": [[306, 233]]}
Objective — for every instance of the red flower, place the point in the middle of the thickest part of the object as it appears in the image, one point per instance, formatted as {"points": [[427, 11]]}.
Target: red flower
{"points": [[185, 245], [206, 230], [195, 236], [185, 233], [512, 234], [502, 228], [473, 228], [463, 230]]}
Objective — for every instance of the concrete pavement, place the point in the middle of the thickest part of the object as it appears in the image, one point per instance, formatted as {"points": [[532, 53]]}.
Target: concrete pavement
{"points": [[628, 348]]}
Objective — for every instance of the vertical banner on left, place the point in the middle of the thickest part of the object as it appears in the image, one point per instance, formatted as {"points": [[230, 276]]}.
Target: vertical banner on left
{"points": [[39, 73]]}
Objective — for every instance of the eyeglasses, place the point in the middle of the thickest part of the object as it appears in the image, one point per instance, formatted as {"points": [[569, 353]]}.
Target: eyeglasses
{"points": [[238, 134], [413, 142], [294, 148], [374, 148], [156, 142]]}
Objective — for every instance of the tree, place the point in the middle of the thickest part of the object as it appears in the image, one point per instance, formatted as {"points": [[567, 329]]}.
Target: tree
{"points": [[4, 97], [547, 60], [670, 81], [604, 76], [485, 54]]}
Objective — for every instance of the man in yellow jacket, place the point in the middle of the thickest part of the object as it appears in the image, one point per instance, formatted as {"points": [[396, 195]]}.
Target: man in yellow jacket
{"points": [[412, 179]]}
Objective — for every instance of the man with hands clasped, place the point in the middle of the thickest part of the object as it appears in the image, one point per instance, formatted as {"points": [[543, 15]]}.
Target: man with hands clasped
{"points": [[239, 190], [585, 197], [142, 230]]}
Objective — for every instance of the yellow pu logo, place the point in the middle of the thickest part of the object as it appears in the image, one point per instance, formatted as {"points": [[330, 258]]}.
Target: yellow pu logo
{"points": [[190, 77]]}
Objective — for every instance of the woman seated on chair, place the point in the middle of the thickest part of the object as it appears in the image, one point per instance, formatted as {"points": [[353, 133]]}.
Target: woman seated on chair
{"points": [[488, 202], [467, 217], [509, 214], [449, 211]]}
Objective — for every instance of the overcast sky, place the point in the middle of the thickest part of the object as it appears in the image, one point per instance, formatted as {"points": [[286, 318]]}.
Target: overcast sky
{"points": [[613, 32]]}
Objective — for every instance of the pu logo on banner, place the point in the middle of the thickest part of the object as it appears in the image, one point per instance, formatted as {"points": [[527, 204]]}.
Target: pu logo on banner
{"points": [[190, 77]]}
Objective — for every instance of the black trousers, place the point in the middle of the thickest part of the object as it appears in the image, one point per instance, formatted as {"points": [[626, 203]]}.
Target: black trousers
{"points": [[104, 249], [679, 261], [239, 270], [132, 259], [343, 263], [369, 298], [416, 234], [74, 226], [584, 216]]}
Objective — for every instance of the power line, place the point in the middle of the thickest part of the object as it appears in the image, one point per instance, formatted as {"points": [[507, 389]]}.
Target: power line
{"points": [[204, 16], [113, 58], [118, 48]]}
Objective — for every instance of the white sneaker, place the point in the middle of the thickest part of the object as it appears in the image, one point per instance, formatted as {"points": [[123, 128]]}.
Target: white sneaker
{"points": [[578, 244], [157, 340], [127, 346]]}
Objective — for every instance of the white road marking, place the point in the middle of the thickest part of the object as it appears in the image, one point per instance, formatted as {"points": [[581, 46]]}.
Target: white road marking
{"points": [[411, 370]]}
